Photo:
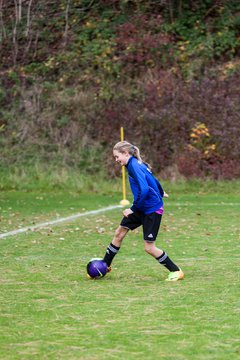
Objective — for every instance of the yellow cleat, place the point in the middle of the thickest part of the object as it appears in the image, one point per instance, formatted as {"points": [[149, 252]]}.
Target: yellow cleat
{"points": [[175, 275]]}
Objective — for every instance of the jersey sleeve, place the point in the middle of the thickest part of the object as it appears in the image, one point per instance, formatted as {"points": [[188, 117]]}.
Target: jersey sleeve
{"points": [[143, 187], [160, 187]]}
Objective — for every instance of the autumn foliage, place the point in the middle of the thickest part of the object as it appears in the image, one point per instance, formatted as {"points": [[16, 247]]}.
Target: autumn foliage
{"points": [[167, 72]]}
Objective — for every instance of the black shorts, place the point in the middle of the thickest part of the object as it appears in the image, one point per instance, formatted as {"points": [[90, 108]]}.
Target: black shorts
{"points": [[150, 223]]}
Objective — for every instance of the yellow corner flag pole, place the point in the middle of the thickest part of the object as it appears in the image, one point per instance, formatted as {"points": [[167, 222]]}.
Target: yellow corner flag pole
{"points": [[124, 201]]}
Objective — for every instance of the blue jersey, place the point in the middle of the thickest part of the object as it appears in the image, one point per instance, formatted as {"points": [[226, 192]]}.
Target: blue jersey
{"points": [[146, 189]]}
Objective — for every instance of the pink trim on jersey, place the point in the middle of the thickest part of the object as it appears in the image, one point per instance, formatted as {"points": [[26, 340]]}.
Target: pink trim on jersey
{"points": [[160, 211]]}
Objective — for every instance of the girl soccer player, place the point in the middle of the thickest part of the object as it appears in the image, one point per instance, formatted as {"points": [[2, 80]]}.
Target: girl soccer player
{"points": [[146, 210]]}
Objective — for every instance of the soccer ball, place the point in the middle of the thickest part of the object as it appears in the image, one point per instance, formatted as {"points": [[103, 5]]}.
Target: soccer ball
{"points": [[97, 268]]}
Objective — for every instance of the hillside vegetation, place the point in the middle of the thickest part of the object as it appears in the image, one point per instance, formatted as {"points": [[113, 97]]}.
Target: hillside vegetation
{"points": [[73, 72]]}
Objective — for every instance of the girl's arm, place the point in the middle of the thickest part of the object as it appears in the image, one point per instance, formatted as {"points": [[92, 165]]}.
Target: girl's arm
{"points": [[138, 175], [127, 212], [162, 192]]}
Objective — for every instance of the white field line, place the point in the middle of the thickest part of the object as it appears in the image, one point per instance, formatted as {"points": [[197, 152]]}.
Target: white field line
{"points": [[60, 220], [200, 203], [73, 217]]}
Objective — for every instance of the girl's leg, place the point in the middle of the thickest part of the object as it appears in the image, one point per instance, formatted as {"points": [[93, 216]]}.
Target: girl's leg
{"points": [[119, 235], [115, 245], [160, 256], [151, 249]]}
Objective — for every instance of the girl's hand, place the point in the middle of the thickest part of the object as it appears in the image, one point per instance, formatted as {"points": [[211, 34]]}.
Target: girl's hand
{"points": [[127, 212], [165, 195]]}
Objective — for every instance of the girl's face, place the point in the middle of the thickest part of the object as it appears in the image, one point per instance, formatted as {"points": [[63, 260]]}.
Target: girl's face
{"points": [[121, 158]]}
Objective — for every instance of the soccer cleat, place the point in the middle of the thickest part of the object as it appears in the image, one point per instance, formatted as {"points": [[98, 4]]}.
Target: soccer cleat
{"points": [[175, 275], [109, 269]]}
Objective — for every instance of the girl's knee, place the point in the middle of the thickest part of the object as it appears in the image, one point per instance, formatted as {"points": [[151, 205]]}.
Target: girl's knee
{"points": [[149, 247], [120, 233]]}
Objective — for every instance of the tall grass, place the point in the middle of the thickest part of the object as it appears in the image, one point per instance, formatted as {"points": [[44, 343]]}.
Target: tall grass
{"points": [[40, 177]]}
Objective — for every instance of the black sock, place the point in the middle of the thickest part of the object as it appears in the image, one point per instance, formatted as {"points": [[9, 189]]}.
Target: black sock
{"points": [[167, 262], [112, 250]]}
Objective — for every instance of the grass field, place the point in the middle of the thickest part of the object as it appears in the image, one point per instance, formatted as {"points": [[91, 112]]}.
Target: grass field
{"points": [[50, 310]]}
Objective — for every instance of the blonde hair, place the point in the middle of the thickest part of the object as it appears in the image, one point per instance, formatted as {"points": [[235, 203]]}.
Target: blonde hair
{"points": [[125, 146]]}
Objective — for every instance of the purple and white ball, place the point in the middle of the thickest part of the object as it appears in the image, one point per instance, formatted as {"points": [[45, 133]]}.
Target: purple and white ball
{"points": [[97, 268]]}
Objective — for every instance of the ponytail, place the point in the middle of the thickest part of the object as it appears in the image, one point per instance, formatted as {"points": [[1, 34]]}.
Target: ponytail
{"points": [[124, 146]]}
